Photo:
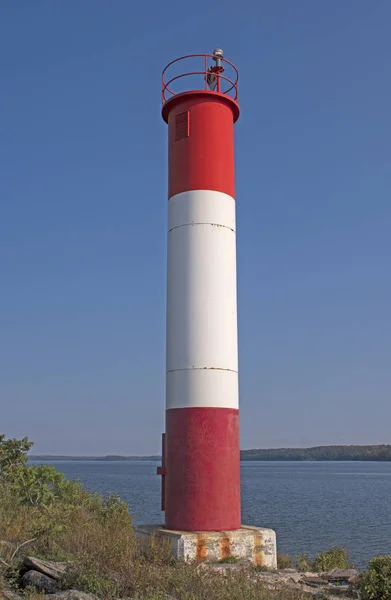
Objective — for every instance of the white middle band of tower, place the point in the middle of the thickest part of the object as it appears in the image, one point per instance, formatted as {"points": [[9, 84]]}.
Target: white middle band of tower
{"points": [[202, 346]]}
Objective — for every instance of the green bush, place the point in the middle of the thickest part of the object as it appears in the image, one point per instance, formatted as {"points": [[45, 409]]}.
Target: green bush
{"points": [[283, 561], [375, 582], [42, 512], [335, 558], [45, 515], [94, 583], [13, 454], [304, 563]]}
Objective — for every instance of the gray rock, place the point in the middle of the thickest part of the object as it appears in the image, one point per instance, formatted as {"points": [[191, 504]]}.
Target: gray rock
{"points": [[39, 581], [224, 568], [278, 581], [314, 581], [288, 570], [72, 595], [296, 577], [342, 574], [341, 590], [52, 569]]}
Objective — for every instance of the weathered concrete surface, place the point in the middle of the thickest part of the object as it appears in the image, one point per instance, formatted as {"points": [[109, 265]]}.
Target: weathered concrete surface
{"points": [[255, 544]]}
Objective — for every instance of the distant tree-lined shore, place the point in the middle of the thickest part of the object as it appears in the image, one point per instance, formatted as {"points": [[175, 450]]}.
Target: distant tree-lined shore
{"points": [[380, 452], [321, 453]]}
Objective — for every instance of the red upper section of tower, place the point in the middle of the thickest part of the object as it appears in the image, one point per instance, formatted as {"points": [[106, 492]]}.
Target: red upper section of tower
{"points": [[201, 143], [199, 96]]}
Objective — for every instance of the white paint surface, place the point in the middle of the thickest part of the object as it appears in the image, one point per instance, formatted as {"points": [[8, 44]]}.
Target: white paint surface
{"points": [[201, 206], [202, 388], [201, 301]]}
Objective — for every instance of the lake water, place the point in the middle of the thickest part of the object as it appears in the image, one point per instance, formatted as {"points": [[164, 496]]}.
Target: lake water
{"points": [[311, 505]]}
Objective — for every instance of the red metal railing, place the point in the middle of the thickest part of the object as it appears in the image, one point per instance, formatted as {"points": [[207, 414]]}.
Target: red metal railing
{"points": [[224, 84]]}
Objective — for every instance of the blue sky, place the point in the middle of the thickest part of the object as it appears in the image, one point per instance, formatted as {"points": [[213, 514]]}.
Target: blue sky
{"points": [[83, 201]]}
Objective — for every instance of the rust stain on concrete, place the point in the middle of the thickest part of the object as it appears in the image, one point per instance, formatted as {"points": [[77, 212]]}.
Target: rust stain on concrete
{"points": [[259, 556], [225, 547], [201, 549]]}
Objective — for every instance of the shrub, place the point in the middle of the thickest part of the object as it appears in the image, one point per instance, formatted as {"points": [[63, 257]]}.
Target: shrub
{"points": [[283, 561], [44, 514], [41, 512], [335, 558], [94, 583], [13, 454], [304, 563], [375, 582]]}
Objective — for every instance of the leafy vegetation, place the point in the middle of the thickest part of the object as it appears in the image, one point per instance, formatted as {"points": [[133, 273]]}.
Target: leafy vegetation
{"points": [[229, 560], [304, 563], [335, 558], [319, 453], [375, 582], [283, 561], [45, 515]]}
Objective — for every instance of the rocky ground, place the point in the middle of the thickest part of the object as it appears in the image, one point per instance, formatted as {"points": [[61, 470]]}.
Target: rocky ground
{"points": [[44, 577], [336, 584]]}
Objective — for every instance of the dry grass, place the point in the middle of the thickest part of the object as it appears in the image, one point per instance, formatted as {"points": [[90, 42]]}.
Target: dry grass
{"points": [[105, 559], [45, 515], [32, 595], [145, 579]]}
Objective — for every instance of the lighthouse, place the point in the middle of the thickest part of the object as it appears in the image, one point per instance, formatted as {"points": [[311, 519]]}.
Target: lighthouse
{"points": [[200, 471], [201, 458]]}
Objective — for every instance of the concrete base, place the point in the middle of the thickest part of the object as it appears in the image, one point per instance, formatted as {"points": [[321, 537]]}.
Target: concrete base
{"points": [[255, 544]]}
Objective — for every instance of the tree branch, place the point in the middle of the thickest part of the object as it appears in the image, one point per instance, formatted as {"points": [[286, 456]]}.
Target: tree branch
{"points": [[21, 546], [4, 563]]}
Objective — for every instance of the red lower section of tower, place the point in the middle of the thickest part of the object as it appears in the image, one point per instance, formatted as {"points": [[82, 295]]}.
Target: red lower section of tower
{"points": [[202, 469]]}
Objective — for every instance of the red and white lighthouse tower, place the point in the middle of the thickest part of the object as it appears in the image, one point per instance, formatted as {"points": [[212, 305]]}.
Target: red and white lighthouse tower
{"points": [[201, 458], [201, 461]]}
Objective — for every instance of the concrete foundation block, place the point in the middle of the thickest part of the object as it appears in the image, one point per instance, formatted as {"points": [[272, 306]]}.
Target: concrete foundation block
{"points": [[255, 544]]}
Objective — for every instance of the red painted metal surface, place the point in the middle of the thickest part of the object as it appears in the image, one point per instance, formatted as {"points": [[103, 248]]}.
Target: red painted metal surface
{"points": [[203, 160], [202, 469]]}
